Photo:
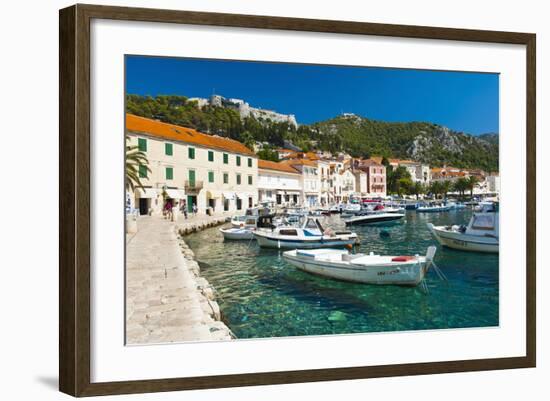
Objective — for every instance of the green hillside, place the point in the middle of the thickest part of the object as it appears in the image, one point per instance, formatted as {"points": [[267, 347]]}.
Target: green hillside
{"points": [[359, 136]]}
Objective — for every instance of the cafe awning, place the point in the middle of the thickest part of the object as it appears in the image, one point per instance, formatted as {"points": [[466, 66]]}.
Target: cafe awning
{"points": [[175, 193], [147, 193]]}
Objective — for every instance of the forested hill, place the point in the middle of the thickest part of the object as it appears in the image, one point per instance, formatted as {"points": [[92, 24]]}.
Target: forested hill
{"points": [[358, 136]]}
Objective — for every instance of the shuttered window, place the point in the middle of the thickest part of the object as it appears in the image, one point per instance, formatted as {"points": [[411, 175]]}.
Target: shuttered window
{"points": [[142, 144], [169, 173], [210, 176], [168, 149], [191, 153], [142, 171], [210, 156], [225, 158]]}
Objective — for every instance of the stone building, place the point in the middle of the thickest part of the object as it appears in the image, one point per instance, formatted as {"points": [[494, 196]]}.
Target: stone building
{"points": [[188, 166]]}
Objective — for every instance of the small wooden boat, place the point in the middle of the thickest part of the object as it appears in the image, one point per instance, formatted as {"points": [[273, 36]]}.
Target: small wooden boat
{"points": [[362, 268], [234, 233], [373, 217], [310, 235], [480, 235]]}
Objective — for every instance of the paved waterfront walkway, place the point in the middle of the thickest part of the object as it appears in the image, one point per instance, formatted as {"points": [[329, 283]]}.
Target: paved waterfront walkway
{"points": [[166, 299], [201, 221]]}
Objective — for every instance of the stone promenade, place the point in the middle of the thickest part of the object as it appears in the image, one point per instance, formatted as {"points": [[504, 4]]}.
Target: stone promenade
{"points": [[166, 298]]}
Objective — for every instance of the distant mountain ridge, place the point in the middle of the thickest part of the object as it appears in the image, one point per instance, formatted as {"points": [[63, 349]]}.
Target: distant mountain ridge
{"points": [[421, 141], [359, 136]]}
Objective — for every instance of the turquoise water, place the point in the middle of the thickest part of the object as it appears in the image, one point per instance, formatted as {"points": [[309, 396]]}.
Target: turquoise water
{"points": [[260, 295]]}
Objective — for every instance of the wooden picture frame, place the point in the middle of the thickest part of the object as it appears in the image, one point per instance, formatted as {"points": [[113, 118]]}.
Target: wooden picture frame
{"points": [[75, 208]]}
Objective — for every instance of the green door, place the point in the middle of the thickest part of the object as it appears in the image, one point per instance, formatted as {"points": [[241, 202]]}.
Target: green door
{"points": [[189, 204]]}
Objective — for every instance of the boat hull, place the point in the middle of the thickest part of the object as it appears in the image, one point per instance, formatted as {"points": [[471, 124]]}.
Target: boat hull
{"points": [[464, 242], [372, 219], [265, 241], [394, 274], [237, 234]]}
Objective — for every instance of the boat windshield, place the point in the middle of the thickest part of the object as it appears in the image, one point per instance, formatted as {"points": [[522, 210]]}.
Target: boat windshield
{"points": [[483, 222], [311, 224]]}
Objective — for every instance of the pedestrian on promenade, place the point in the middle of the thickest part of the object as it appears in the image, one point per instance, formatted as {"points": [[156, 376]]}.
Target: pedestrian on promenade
{"points": [[194, 209], [184, 208], [168, 209]]}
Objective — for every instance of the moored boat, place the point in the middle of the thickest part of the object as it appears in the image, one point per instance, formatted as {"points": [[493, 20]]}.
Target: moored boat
{"points": [[310, 235], [363, 268], [433, 208], [234, 233], [373, 217], [480, 235]]}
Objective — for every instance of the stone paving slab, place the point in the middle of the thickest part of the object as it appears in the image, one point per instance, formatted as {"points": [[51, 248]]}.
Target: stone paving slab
{"points": [[166, 299]]}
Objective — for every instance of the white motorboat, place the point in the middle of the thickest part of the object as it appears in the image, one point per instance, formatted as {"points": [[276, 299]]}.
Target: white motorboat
{"points": [[434, 208], [234, 233], [351, 208], [246, 229], [238, 221], [310, 235], [486, 206], [453, 205], [480, 235], [373, 217], [362, 268]]}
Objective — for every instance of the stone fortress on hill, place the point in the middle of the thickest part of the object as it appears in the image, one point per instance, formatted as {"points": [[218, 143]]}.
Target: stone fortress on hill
{"points": [[245, 110]]}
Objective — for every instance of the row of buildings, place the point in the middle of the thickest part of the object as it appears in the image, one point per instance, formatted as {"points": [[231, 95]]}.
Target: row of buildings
{"points": [[191, 169], [188, 168]]}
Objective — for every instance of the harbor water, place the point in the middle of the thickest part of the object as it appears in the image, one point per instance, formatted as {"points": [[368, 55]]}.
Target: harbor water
{"points": [[260, 295]]}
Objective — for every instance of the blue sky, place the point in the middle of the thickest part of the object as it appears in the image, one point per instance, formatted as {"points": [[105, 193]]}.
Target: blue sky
{"points": [[461, 101]]}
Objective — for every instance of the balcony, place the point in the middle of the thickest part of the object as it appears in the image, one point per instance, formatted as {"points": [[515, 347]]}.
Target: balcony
{"points": [[192, 186]]}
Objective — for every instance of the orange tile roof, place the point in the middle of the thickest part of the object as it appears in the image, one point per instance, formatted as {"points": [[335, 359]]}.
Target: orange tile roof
{"points": [[304, 162], [176, 133], [269, 165]]}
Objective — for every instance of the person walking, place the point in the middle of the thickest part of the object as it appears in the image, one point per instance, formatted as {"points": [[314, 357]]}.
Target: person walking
{"points": [[194, 209], [184, 208]]}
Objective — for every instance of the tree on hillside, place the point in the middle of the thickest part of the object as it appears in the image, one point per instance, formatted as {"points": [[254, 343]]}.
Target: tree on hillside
{"points": [[398, 180], [268, 153]]}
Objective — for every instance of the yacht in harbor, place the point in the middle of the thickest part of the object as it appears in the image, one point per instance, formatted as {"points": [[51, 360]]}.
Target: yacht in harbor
{"points": [[480, 235], [310, 235]]}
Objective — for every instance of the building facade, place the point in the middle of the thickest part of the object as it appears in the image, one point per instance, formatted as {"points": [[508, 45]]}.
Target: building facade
{"points": [[190, 168], [376, 177], [279, 184], [310, 180]]}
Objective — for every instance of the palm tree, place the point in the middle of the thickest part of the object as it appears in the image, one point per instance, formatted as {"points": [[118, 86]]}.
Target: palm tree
{"points": [[134, 159], [461, 185], [446, 187], [436, 187], [472, 182], [417, 188]]}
